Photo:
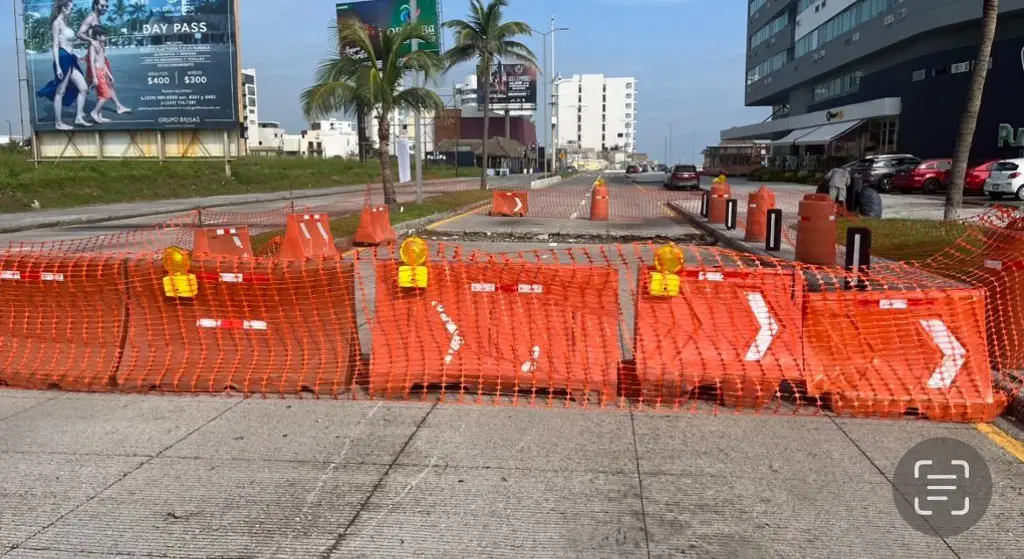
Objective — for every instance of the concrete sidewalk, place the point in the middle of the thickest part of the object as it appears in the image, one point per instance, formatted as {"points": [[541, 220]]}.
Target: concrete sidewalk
{"points": [[215, 476]]}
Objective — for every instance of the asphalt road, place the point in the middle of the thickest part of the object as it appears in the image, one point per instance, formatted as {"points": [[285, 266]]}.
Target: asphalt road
{"points": [[140, 233]]}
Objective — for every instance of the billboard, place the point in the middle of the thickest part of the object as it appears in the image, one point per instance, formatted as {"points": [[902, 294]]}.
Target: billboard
{"points": [[386, 16], [138, 65], [512, 85]]}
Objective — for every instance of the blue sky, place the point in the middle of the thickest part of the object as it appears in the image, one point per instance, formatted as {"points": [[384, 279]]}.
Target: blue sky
{"points": [[687, 55]]}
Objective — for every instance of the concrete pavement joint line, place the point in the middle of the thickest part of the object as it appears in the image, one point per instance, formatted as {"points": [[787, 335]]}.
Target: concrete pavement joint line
{"points": [[126, 474], [887, 478], [639, 480], [331, 467], [1003, 439], [376, 487], [33, 406], [100, 553]]}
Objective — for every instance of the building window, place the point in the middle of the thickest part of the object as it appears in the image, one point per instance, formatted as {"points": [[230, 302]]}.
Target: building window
{"points": [[629, 116], [756, 5], [629, 96], [838, 86], [629, 85], [629, 105], [767, 67], [769, 30], [844, 21], [803, 5], [248, 79]]}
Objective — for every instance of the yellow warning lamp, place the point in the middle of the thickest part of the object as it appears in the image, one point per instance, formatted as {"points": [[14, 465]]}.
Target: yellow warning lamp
{"points": [[413, 252], [179, 282], [668, 261]]}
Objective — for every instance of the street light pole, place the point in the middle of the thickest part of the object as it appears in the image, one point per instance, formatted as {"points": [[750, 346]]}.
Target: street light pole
{"points": [[417, 132], [550, 77]]}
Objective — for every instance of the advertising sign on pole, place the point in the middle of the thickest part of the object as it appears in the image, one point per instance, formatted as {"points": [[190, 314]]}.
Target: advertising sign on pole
{"points": [[513, 85], [387, 16], [139, 65]]}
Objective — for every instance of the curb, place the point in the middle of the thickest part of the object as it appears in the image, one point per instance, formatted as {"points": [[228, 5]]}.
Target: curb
{"points": [[544, 183], [719, 235], [415, 225], [264, 197]]}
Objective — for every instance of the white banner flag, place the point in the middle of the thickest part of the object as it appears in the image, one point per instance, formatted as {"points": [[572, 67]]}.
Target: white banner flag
{"points": [[404, 166]]}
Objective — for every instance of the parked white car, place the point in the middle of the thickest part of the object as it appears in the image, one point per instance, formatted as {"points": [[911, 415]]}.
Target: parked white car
{"points": [[1006, 178]]}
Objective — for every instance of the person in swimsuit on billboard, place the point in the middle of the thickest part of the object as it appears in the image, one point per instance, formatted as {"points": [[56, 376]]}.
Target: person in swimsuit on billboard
{"points": [[98, 74], [85, 33], [68, 85]]}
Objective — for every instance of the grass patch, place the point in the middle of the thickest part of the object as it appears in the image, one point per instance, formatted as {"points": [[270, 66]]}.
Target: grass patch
{"points": [[905, 240], [344, 226], [78, 183]]}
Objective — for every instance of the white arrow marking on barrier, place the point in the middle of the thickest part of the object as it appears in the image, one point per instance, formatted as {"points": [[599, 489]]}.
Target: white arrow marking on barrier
{"points": [[953, 354], [519, 204], [769, 328], [453, 330]]}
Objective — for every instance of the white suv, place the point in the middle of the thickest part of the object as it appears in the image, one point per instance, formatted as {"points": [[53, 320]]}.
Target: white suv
{"points": [[1006, 178]]}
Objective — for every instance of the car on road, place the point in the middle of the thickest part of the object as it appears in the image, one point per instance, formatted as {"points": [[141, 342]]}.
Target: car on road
{"points": [[633, 170], [1006, 178], [878, 171], [930, 175], [683, 176]]}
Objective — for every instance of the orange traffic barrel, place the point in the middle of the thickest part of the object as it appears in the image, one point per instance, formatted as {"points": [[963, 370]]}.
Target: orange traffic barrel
{"points": [[599, 202], [816, 230], [720, 193], [758, 204]]}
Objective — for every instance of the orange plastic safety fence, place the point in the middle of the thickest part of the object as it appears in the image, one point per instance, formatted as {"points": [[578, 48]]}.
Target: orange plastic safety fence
{"points": [[601, 326]]}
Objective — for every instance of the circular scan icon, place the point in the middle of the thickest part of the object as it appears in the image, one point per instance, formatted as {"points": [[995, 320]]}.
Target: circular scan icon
{"points": [[942, 487]]}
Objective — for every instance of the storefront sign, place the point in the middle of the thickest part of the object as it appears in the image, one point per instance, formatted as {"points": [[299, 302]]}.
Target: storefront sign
{"points": [[1009, 137]]}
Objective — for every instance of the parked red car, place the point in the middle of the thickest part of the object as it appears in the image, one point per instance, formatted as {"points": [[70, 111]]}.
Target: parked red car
{"points": [[974, 182], [929, 175]]}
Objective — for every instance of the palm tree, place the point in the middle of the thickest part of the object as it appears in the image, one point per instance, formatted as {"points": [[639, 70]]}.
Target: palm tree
{"points": [[350, 83], [485, 37], [969, 120]]}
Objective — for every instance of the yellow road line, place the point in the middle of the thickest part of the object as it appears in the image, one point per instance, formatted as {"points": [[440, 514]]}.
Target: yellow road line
{"points": [[454, 217], [998, 436]]}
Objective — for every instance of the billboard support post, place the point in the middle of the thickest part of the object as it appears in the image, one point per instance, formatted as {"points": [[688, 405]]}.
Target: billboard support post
{"points": [[227, 155]]}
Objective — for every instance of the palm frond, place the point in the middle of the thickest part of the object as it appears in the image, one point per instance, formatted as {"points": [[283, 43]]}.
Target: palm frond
{"points": [[420, 99]]}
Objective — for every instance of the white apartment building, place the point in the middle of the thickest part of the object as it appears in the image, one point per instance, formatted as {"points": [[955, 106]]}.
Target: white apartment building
{"points": [[466, 98], [325, 138], [593, 112], [250, 108]]}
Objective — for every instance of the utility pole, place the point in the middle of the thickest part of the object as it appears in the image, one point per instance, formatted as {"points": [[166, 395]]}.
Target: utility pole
{"points": [[22, 82], [417, 132], [693, 147], [668, 158]]}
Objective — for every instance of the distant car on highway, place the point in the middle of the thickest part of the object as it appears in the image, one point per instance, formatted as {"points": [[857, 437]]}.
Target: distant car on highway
{"points": [[684, 177], [1006, 178]]}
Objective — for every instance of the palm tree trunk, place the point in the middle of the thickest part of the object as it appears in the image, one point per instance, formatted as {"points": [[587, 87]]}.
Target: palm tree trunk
{"points": [[487, 125], [383, 138], [969, 119]]}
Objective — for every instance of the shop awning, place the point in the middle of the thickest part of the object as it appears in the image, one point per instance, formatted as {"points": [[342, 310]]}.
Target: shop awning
{"points": [[793, 136], [827, 133]]}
